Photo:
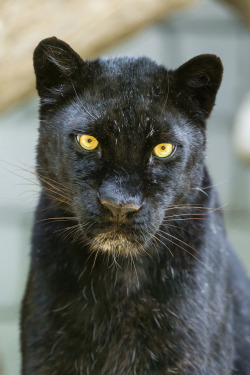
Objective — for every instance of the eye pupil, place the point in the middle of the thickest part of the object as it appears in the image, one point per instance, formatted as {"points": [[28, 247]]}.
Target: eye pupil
{"points": [[89, 140], [163, 147]]}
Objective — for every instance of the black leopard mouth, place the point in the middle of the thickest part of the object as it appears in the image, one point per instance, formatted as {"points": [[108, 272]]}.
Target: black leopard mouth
{"points": [[119, 243]]}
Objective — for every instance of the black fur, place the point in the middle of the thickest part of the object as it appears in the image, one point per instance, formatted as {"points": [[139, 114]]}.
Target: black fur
{"points": [[159, 291]]}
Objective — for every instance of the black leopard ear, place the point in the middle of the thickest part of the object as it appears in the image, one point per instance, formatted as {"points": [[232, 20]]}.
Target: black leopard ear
{"points": [[199, 79], [55, 64]]}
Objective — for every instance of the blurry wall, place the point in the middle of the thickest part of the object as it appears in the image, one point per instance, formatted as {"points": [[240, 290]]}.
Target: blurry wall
{"points": [[207, 28]]}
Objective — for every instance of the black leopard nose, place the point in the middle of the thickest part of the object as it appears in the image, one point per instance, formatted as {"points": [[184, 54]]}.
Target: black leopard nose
{"points": [[119, 213], [121, 193]]}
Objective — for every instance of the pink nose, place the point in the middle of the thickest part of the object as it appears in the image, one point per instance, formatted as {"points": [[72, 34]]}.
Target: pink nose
{"points": [[119, 212]]}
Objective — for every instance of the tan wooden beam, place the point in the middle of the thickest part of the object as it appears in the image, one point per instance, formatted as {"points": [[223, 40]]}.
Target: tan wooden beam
{"points": [[89, 26], [242, 7]]}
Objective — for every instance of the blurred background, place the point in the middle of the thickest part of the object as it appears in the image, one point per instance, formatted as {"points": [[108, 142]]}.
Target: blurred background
{"points": [[169, 31]]}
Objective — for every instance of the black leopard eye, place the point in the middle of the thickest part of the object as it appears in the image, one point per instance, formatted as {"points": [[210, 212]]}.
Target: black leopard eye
{"points": [[87, 142], [163, 150]]}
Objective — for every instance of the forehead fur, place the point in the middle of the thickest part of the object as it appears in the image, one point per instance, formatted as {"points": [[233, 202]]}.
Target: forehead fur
{"points": [[128, 78], [131, 68]]}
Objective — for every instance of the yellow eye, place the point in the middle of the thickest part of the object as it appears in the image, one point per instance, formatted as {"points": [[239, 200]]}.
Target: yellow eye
{"points": [[87, 142], [163, 150]]}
